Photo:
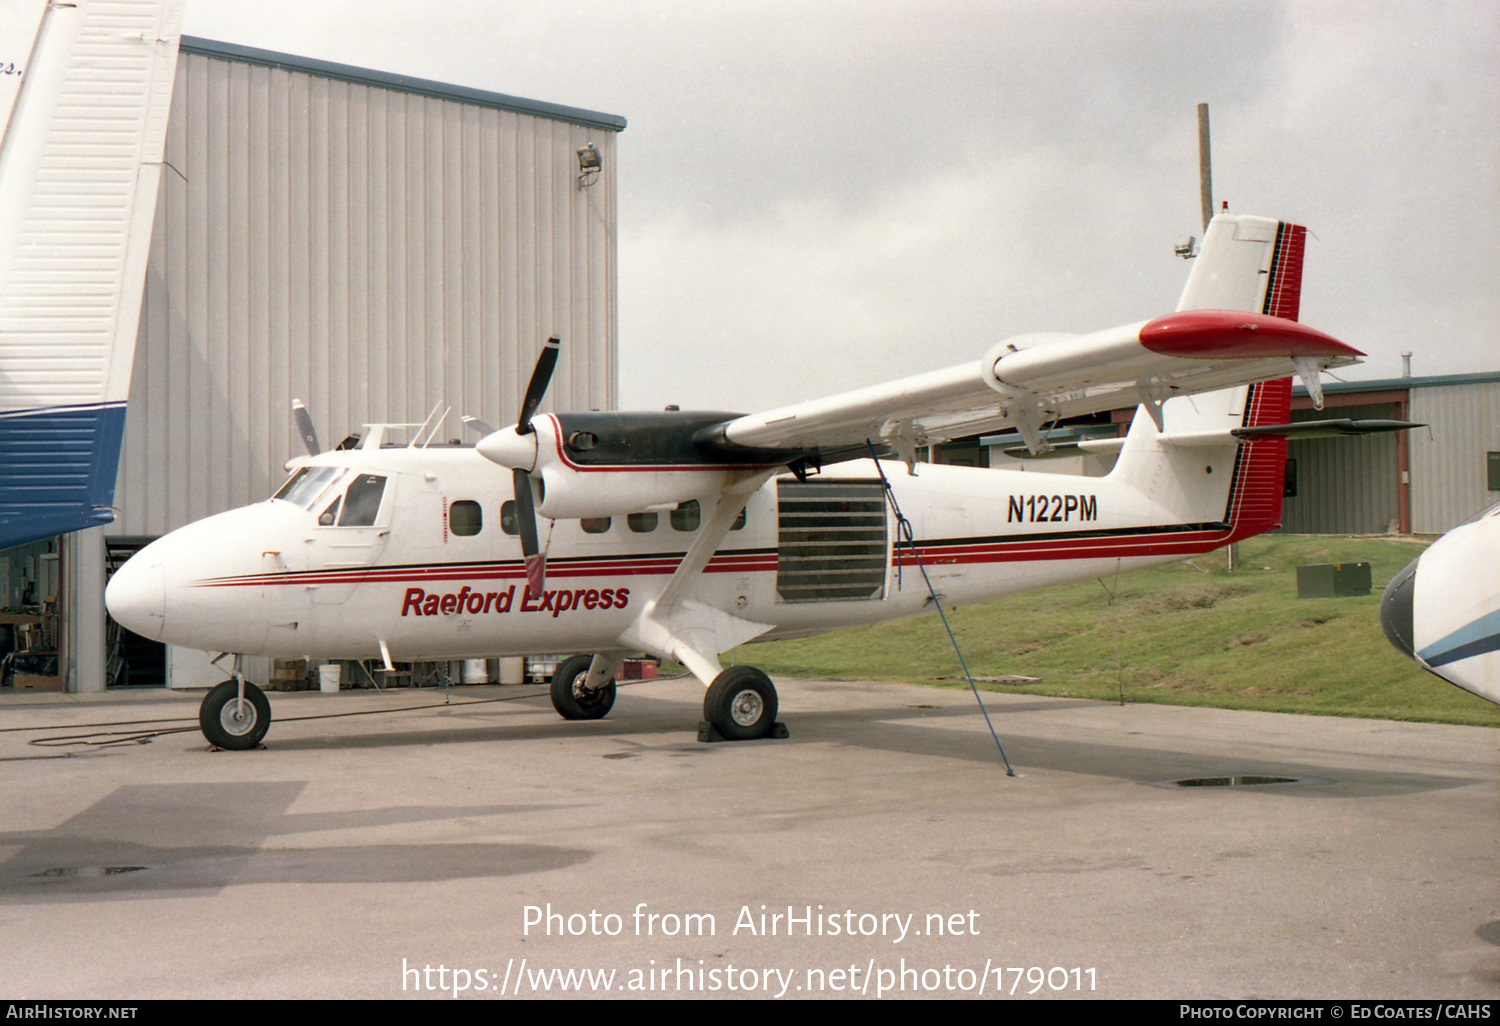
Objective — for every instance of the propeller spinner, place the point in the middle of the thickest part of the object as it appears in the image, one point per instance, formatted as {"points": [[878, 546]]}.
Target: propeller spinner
{"points": [[516, 448]]}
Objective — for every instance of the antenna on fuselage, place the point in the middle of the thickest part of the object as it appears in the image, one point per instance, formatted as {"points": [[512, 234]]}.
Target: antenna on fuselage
{"points": [[429, 422]]}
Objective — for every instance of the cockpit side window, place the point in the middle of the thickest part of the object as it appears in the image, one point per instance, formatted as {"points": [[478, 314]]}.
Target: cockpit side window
{"points": [[362, 501], [304, 487]]}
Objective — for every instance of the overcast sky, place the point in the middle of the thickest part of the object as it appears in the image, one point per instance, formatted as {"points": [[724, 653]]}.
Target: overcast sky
{"points": [[821, 194]]}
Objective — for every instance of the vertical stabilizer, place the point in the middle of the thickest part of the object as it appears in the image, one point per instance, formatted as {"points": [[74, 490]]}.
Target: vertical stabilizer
{"points": [[1247, 263], [1251, 264], [85, 90], [1229, 487]]}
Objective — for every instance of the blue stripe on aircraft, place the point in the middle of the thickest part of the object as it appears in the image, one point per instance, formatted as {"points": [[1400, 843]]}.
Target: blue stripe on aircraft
{"points": [[57, 470], [1470, 640]]}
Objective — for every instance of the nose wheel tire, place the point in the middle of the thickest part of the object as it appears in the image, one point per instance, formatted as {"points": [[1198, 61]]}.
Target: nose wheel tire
{"points": [[741, 704], [229, 724], [569, 697]]}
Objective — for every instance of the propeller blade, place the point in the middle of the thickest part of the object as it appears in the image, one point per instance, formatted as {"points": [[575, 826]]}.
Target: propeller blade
{"points": [[305, 427], [474, 423], [536, 563], [541, 377]]}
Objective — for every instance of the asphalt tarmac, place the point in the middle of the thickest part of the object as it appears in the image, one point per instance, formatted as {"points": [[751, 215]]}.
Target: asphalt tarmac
{"points": [[486, 849]]}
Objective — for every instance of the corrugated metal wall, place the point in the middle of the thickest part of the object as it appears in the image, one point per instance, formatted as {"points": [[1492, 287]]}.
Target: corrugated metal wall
{"points": [[1344, 485], [368, 249], [1448, 456]]}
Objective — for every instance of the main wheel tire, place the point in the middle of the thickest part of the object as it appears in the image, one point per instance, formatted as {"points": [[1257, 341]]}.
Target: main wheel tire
{"points": [[741, 704], [226, 724], [570, 699]]}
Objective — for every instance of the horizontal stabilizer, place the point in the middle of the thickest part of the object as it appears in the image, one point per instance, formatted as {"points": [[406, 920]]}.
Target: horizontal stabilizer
{"points": [[1304, 429], [1328, 428]]}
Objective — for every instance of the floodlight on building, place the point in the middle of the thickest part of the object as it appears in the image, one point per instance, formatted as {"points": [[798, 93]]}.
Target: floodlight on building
{"points": [[589, 165]]}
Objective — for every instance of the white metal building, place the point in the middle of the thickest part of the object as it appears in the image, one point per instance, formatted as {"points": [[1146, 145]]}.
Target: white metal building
{"points": [[372, 244], [1425, 481]]}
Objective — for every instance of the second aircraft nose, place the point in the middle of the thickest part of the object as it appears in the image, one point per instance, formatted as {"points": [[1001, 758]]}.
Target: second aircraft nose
{"points": [[1396, 609]]}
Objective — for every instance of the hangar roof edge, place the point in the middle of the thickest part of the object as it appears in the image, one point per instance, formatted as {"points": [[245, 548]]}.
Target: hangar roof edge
{"points": [[403, 83]]}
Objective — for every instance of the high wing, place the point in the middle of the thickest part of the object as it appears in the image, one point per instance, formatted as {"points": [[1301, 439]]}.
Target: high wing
{"points": [[1235, 324]]}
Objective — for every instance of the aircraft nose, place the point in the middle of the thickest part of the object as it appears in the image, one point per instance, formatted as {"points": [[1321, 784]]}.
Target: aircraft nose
{"points": [[137, 596], [1396, 609]]}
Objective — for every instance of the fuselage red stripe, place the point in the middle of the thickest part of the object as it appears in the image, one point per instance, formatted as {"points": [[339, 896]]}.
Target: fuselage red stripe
{"points": [[1149, 542], [490, 571]]}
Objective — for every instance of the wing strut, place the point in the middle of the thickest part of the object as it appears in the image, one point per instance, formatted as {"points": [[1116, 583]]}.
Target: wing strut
{"points": [[904, 532], [692, 632]]}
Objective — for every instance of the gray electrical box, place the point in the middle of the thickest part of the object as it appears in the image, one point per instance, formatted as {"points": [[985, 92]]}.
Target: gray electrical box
{"points": [[1333, 580]]}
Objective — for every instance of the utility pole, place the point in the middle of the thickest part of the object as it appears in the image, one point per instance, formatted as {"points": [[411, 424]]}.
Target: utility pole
{"points": [[1205, 168], [1206, 199]]}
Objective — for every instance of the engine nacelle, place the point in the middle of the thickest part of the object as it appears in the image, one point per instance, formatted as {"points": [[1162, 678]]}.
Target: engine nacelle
{"points": [[610, 464], [569, 493], [586, 471]]}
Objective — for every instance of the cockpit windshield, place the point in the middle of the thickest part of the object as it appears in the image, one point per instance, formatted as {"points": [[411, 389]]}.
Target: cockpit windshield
{"points": [[304, 487]]}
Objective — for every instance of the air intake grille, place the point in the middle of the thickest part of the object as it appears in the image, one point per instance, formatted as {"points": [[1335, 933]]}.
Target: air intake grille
{"points": [[832, 543]]}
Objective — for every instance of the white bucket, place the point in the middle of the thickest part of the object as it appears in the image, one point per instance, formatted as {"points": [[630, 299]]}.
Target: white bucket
{"points": [[476, 671], [329, 675]]}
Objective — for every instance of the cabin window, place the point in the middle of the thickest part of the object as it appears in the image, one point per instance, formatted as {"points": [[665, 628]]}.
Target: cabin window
{"points": [[465, 518], [508, 522], [641, 523], [362, 501], [330, 516], [739, 521], [595, 525], [686, 516]]}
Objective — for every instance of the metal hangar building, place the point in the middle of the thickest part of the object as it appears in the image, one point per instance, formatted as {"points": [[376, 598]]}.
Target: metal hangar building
{"points": [[376, 245]]}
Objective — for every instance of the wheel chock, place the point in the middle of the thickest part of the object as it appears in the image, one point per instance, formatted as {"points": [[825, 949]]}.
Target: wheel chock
{"points": [[707, 732]]}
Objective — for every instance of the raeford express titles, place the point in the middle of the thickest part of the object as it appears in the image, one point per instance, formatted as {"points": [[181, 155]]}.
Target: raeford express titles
{"points": [[477, 603]]}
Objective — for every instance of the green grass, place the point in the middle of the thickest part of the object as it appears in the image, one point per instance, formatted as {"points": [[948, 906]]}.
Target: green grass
{"points": [[1184, 634]]}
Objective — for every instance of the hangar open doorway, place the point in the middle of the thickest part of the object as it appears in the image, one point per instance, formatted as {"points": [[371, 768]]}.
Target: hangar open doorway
{"points": [[130, 661]]}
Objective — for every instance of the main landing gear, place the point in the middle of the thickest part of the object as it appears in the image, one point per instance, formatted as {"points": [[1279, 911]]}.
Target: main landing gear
{"points": [[740, 705]]}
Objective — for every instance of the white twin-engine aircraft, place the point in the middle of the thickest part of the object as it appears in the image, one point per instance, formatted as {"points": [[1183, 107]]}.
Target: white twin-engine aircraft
{"points": [[1443, 610], [687, 534]]}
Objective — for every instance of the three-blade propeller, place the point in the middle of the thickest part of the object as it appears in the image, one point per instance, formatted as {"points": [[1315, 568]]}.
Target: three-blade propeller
{"points": [[516, 448], [305, 427]]}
